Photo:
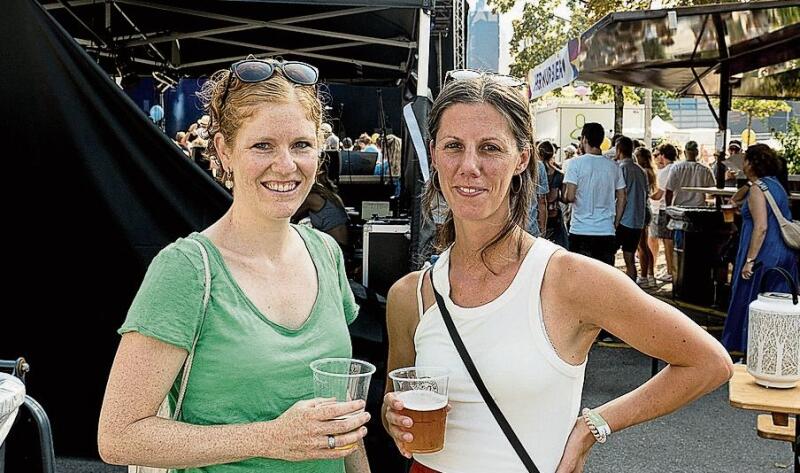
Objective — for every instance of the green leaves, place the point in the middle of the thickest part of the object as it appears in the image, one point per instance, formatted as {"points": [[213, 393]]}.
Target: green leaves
{"points": [[537, 35], [541, 32], [757, 108], [791, 145]]}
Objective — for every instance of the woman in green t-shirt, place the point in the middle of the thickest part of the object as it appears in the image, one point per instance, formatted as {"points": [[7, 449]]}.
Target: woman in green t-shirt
{"points": [[279, 299]]}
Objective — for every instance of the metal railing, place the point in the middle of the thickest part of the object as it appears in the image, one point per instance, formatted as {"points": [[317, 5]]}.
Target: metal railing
{"points": [[20, 368]]}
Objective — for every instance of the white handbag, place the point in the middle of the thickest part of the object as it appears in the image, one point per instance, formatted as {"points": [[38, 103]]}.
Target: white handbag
{"points": [[164, 410], [790, 229]]}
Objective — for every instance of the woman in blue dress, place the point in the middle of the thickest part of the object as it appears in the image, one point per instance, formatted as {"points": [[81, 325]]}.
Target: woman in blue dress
{"points": [[761, 245]]}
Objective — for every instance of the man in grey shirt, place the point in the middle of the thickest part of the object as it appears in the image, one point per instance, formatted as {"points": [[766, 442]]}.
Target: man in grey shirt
{"points": [[688, 173], [630, 226]]}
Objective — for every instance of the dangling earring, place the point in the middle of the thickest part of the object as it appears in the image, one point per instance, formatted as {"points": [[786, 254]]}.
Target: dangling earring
{"points": [[519, 181], [435, 182], [229, 179]]}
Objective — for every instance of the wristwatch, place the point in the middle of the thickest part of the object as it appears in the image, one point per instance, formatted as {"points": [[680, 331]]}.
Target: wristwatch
{"points": [[749, 260]]}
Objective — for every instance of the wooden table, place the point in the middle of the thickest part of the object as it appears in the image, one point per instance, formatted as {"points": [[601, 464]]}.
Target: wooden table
{"points": [[744, 393]]}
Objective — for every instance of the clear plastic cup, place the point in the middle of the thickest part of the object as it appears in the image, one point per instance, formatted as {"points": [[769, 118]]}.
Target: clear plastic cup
{"points": [[345, 379], [423, 391]]}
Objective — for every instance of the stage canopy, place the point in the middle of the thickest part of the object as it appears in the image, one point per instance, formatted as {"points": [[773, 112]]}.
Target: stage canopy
{"points": [[362, 42], [753, 47]]}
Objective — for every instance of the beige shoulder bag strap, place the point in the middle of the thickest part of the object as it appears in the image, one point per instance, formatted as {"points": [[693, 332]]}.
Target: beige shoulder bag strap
{"points": [[790, 230], [164, 410]]}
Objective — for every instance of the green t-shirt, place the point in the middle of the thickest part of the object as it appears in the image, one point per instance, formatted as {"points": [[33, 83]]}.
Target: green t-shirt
{"points": [[246, 368]]}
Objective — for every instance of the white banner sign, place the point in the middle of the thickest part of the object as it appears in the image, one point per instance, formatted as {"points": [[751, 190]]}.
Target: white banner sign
{"points": [[555, 72]]}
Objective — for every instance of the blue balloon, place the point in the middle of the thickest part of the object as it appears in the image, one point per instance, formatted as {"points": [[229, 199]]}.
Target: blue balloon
{"points": [[156, 113]]}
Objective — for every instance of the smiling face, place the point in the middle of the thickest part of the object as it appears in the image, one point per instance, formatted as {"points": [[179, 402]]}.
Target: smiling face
{"points": [[274, 158], [476, 156]]}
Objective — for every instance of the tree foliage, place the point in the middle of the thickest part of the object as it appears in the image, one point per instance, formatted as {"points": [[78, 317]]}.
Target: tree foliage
{"points": [[540, 33], [790, 140], [756, 108]]}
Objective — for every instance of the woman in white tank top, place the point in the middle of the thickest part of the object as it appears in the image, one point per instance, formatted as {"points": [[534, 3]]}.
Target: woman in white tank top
{"points": [[527, 311]]}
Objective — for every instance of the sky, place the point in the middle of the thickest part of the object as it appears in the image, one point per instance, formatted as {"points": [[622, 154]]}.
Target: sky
{"points": [[507, 31]]}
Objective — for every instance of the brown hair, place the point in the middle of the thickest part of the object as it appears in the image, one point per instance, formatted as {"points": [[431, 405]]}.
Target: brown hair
{"points": [[242, 99], [669, 151], [546, 150], [510, 103], [645, 159], [325, 188], [763, 160]]}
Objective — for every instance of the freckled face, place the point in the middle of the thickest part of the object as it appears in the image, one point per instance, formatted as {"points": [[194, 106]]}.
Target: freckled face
{"points": [[274, 159], [476, 156]]}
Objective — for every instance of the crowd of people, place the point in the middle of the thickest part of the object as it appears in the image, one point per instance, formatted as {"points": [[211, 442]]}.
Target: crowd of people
{"points": [[194, 140], [222, 304], [619, 199], [389, 159]]}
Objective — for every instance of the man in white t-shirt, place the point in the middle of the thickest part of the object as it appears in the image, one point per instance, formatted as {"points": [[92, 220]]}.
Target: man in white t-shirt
{"points": [[596, 188], [688, 173]]}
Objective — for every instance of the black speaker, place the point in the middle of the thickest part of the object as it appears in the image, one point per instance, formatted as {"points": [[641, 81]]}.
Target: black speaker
{"points": [[386, 253]]}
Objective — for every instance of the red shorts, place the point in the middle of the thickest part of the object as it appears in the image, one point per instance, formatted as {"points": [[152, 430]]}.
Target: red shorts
{"points": [[420, 468]]}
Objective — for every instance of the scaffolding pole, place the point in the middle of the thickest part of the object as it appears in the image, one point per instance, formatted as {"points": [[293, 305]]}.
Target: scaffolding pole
{"points": [[459, 38]]}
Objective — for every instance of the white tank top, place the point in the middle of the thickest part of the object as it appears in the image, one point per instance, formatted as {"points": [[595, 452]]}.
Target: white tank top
{"points": [[538, 392]]}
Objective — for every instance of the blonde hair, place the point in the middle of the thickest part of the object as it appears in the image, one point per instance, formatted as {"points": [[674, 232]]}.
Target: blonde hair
{"points": [[365, 139], [644, 158], [511, 104], [242, 99]]}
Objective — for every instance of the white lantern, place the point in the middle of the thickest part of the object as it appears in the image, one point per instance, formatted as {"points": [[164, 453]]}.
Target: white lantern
{"points": [[773, 339]]}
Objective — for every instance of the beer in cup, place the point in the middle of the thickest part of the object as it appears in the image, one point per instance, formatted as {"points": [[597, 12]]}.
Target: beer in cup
{"points": [[423, 392]]}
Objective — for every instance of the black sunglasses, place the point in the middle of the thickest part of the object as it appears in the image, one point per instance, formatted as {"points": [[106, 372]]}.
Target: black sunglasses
{"points": [[253, 70]]}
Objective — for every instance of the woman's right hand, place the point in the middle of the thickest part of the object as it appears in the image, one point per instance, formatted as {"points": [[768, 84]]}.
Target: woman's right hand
{"points": [[397, 424], [301, 433]]}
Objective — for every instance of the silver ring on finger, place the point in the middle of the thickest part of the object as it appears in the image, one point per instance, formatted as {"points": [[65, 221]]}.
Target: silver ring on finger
{"points": [[331, 442]]}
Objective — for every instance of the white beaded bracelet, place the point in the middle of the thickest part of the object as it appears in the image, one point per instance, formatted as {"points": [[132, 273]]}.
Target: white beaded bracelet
{"points": [[597, 425]]}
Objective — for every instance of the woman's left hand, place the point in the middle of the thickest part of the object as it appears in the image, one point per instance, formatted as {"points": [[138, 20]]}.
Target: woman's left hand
{"points": [[576, 452], [747, 270]]}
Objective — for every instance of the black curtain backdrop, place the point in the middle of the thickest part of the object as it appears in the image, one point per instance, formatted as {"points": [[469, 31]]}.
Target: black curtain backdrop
{"points": [[94, 191]]}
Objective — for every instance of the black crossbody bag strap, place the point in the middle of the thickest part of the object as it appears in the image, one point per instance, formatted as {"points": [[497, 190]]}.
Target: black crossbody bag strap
{"points": [[476, 378]]}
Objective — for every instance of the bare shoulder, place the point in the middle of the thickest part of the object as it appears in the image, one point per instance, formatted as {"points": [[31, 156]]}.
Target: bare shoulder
{"points": [[755, 193], [402, 310], [402, 319], [574, 272], [585, 287], [402, 295]]}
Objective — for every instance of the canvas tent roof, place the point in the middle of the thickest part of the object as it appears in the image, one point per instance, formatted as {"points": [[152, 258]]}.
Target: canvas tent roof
{"points": [[371, 42], [686, 50]]}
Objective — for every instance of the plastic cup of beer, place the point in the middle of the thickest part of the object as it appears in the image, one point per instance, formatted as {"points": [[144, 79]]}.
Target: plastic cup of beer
{"points": [[423, 391]]}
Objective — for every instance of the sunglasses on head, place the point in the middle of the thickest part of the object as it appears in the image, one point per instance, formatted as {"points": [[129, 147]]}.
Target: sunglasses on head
{"points": [[253, 70], [502, 79]]}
